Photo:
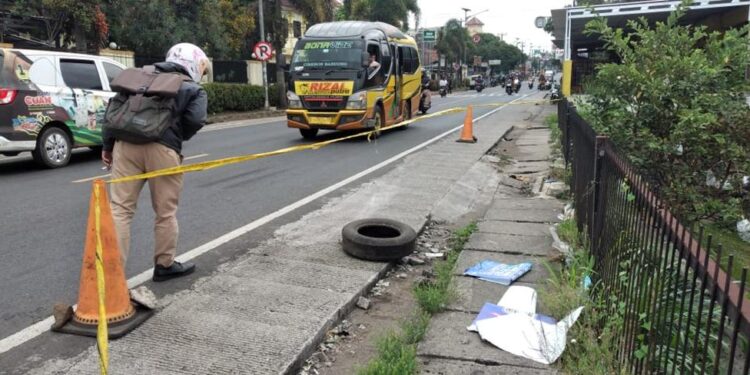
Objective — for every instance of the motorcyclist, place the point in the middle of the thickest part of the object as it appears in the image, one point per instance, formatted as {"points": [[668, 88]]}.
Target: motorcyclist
{"points": [[425, 78], [443, 83], [542, 81], [425, 100], [509, 84]]}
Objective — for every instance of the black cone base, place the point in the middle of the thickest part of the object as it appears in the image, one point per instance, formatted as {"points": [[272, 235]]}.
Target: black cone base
{"points": [[115, 330]]}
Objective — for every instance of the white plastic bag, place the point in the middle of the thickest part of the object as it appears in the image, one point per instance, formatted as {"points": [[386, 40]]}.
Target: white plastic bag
{"points": [[513, 325], [743, 229]]}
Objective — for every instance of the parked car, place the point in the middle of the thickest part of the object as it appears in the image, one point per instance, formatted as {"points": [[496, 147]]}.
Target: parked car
{"points": [[52, 102]]}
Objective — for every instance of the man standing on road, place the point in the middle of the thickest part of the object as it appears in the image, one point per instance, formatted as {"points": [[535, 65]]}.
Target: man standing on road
{"points": [[127, 159]]}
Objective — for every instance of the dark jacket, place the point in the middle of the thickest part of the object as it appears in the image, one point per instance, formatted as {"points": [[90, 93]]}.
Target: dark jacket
{"points": [[191, 111]]}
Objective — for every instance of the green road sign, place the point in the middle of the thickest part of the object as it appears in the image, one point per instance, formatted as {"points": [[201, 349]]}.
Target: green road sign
{"points": [[429, 35]]}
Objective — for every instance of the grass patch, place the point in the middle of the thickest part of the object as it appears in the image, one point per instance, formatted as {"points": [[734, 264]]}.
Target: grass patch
{"points": [[732, 244], [592, 342], [555, 137], [567, 230], [397, 351]]}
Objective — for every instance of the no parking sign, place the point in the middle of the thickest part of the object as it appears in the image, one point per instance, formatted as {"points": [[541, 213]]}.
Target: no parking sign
{"points": [[262, 51]]}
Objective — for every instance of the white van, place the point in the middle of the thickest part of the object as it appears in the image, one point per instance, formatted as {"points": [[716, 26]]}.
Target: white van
{"points": [[52, 102]]}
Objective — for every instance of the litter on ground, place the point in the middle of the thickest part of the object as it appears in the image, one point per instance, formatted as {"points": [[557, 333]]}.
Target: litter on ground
{"points": [[496, 272], [513, 325]]}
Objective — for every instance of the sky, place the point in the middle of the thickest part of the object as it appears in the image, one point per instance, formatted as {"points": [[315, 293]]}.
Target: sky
{"points": [[515, 18]]}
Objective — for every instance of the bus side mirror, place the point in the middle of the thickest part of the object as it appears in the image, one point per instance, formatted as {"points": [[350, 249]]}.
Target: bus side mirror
{"points": [[365, 59]]}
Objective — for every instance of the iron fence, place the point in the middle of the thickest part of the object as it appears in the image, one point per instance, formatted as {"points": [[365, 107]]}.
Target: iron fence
{"points": [[681, 312]]}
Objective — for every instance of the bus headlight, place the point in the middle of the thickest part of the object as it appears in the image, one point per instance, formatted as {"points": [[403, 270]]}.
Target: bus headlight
{"points": [[293, 100], [357, 101]]}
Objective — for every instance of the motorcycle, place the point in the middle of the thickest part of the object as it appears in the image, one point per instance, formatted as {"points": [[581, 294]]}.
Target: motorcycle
{"points": [[554, 92], [479, 86], [443, 91], [531, 85], [509, 88], [425, 100], [517, 86]]}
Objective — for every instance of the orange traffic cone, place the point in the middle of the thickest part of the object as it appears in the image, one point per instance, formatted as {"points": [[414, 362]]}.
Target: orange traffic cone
{"points": [[467, 133], [122, 314]]}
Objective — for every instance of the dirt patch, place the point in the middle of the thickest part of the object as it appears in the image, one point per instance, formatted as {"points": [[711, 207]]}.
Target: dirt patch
{"points": [[352, 343]]}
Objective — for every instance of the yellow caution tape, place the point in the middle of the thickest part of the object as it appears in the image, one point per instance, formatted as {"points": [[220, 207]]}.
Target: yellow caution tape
{"points": [[211, 164], [102, 335]]}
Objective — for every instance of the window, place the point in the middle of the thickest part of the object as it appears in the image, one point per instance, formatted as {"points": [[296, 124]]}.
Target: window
{"points": [[375, 75], [409, 59], [385, 59], [414, 60], [111, 70], [80, 74], [297, 29], [405, 59]]}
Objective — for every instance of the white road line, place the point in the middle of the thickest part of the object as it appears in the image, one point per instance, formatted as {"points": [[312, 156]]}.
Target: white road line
{"points": [[108, 174], [37, 329]]}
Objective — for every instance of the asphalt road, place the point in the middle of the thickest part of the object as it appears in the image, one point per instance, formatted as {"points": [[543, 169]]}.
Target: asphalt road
{"points": [[44, 212]]}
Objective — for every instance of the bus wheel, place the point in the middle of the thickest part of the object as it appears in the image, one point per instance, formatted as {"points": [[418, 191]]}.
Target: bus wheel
{"points": [[378, 122], [53, 148], [408, 116], [308, 133]]}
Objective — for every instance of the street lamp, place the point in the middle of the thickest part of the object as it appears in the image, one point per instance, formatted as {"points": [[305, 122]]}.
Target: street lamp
{"points": [[466, 18], [466, 15]]}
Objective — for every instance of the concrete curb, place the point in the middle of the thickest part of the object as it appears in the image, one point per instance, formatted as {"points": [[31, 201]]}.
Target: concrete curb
{"points": [[335, 318], [312, 345]]}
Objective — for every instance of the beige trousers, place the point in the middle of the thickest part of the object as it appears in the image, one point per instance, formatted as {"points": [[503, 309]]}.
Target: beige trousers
{"points": [[130, 159]]}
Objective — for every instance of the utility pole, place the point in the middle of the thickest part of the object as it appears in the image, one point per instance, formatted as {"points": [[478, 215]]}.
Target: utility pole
{"points": [[466, 19], [263, 39]]}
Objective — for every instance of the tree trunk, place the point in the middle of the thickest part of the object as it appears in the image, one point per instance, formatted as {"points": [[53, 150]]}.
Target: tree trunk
{"points": [[79, 34]]}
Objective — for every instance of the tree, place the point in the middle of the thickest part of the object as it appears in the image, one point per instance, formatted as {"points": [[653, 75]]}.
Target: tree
{"points": [[316, 11], [393, 12], [81, 23], [277, 27], [675, 105], [152, 35], [490, 47], [452, 41], [220, 27]]}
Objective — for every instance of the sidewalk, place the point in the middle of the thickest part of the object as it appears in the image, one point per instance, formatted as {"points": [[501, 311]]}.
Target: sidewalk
{"points": [[267, 311], [515, 229]]}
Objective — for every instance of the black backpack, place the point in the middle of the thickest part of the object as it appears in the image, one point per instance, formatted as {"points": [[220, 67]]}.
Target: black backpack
{"points": [[145, 105]]}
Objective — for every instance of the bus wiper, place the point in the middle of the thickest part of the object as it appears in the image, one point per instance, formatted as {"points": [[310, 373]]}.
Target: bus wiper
{"points": [[337, 69]]}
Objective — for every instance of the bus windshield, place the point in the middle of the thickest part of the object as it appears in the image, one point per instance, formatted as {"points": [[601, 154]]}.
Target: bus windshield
{"points": [[328, 54]]}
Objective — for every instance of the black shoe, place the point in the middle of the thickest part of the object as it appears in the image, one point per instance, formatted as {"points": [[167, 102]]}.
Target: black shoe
{"points": [[177, 269]]}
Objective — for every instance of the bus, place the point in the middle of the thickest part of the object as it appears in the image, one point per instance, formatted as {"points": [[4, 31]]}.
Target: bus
{"points": [[352, 75]]}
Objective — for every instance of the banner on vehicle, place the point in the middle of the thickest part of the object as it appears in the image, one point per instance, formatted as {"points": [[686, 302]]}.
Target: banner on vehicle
{"points": [[305, 88]]}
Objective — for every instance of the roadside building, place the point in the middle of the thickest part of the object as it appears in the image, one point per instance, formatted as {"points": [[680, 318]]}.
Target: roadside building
{"points": [[474, 26], [583, 52]]}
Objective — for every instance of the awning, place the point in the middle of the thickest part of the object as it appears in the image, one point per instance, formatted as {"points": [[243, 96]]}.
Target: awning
{"points": [[715, 14]]}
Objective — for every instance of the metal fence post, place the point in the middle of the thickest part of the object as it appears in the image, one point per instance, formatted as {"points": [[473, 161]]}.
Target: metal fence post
{"points": [[566, 149], [597, 198]]}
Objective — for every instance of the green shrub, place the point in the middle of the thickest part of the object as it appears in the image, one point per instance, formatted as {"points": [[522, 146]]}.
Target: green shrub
{"points": [[224, 97], [675, 105]]}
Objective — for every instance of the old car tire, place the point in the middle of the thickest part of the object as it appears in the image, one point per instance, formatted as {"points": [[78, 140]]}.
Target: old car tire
{"points": [[378, 239], [308, 133], [53, 148]]}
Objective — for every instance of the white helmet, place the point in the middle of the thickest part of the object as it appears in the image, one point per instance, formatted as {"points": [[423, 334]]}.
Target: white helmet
{"points": [[190, 57]]}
